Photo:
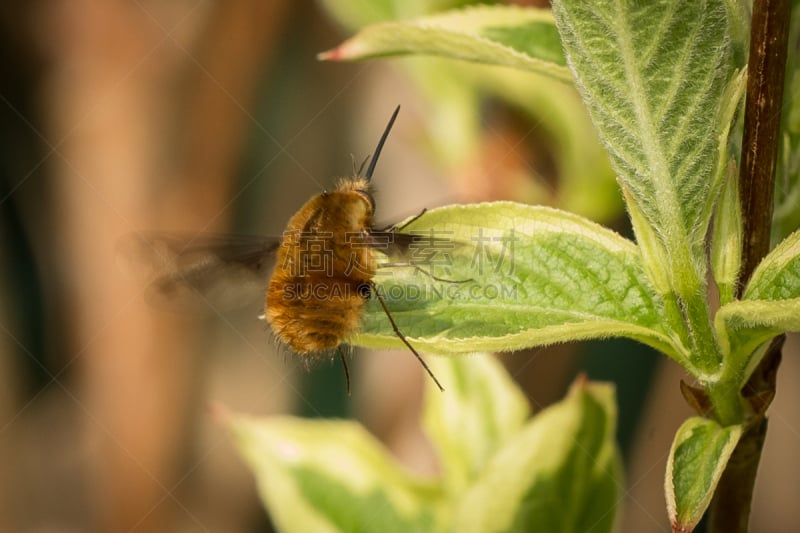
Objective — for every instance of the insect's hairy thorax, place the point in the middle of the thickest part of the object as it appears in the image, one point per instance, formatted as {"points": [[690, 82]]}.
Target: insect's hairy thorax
{"points": [[327, 238]]}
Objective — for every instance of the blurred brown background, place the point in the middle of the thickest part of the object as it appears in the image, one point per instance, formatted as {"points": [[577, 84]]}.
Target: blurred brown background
{"points": [[194, 116]]}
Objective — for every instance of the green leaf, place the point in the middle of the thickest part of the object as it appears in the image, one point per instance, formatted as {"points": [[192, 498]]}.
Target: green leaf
{"points": [[772, 297], [317, 475], [770, 305], [778, 275], [511, 276], [726, 243], [699, 453], [522, 38], [481, 409], [766, 318], [654, 76], [560, 473]]}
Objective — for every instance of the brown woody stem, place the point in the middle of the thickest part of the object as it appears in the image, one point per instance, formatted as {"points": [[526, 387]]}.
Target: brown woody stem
{"points": [[730, 508], [769, 36]]}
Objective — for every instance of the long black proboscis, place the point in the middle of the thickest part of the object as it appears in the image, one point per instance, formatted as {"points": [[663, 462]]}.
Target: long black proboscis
{"points": [[374, 159]]}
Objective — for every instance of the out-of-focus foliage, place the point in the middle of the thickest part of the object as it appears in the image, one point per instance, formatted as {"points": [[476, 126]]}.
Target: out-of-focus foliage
{"points": [[500, 470], [474, 151]]}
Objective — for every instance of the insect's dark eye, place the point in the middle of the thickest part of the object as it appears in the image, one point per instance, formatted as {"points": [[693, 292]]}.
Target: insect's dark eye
{"points": [[365, 291]]}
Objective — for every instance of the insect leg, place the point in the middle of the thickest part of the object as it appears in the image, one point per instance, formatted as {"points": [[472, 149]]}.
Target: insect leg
{"points": [[416, 267], [394, 227], [346, 370], [403, 337]]}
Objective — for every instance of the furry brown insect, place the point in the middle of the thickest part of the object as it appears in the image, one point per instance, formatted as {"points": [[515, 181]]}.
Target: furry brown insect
{"points": [[325, 266], [323, 273]]}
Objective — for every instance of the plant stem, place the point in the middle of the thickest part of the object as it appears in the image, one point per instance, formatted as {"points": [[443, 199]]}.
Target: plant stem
{"points": [[769, 36], [730, 508]]}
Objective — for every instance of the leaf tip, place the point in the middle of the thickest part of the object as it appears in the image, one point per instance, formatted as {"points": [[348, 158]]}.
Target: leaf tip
{"points": [[341, 52], [581, 381], [334, 54], [678, 528]]}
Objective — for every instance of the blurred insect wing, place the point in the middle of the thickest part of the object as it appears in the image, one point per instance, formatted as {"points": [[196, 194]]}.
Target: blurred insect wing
{"points": [[223, 272]]}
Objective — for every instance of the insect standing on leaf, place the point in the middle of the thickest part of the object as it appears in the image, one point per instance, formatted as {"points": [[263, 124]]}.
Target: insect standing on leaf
{"points": [[323, 274], [325, 267]]}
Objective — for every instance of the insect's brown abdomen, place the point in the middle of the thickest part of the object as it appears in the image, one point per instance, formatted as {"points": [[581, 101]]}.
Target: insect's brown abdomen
{"points": [[323, 270], [314, 323]]}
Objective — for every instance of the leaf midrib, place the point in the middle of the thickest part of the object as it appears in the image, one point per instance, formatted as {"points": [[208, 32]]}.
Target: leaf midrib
{"points": [[664, 190], [581, 316]]}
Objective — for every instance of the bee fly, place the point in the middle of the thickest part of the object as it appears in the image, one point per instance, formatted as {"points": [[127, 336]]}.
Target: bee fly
{"points": [[323, 274], [325, 267]]}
